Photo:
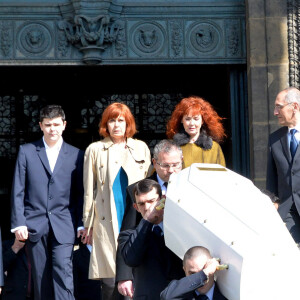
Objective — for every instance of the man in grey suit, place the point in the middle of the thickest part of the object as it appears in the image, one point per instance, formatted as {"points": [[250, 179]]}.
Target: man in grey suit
{"points": [[47, 200], [199, 268], [283, 171]]}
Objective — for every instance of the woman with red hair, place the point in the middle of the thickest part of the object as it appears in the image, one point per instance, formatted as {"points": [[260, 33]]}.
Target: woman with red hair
{"points": [[110, 165], [197, 129]]}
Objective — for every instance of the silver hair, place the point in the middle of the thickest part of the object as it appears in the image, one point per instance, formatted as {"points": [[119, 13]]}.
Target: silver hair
{"points": [[166, 146], [292, 95]]}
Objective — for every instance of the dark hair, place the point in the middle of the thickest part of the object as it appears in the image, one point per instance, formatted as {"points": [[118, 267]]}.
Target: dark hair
{"points": [[51, 112], [194, 252], [145, 186]]}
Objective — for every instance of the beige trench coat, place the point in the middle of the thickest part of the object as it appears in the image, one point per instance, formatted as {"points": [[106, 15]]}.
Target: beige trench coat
{"points": [[101, 165]]}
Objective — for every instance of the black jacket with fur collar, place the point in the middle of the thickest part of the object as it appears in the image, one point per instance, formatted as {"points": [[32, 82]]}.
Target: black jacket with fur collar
{"points": [[204, 141]]}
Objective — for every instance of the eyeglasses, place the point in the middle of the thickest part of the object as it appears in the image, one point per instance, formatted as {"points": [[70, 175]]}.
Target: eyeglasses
{"points": [[167, 166], [281, 106]]}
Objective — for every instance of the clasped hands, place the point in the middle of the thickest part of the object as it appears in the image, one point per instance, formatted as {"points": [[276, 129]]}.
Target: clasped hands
{"points": [[86, 235]]}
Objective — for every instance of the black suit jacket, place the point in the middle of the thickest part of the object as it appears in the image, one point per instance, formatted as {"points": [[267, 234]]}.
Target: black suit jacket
{"points": [[131, 217], [130, 220], [154, 265], [16, 266], [283, 173], [40, 196], [84, 288], [184, 289]]}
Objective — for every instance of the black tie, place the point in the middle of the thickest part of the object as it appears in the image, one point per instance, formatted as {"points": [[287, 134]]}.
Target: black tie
{"points": [[157, 230], [166, 184], [202, 297], [293, 143]]}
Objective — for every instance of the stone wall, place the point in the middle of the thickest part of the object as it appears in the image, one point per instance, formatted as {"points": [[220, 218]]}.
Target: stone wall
{"points": [[115, 32], [268, 71]]}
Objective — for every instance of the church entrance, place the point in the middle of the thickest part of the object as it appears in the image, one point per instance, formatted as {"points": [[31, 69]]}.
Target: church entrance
{"points": [[150, 91]]}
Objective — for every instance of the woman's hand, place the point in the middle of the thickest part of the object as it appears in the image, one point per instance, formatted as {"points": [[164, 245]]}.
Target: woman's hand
{"points": [[85, 237]]}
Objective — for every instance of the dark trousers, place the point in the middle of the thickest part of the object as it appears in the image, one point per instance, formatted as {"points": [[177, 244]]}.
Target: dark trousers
{"points": [[292, 222], [51, 268], [110, 290]]}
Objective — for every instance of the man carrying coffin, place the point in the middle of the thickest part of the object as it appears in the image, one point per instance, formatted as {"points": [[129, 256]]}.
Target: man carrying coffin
{"points": [[199, 268], [143, 248], [167, 159]]}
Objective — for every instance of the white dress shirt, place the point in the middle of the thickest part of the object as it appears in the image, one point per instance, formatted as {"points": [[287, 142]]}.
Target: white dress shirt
{"points": [[52, 155], [297, 134], [161, 225], [53, 152], [210, 293], [161, 183]]}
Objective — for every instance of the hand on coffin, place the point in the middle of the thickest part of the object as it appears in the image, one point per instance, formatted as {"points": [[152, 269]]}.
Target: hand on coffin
{"points": [[161, 203], [211, 267], [153, 215]]}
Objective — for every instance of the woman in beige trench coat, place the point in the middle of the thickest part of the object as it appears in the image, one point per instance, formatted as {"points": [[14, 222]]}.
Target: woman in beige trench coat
{"points": [[110, 165]]}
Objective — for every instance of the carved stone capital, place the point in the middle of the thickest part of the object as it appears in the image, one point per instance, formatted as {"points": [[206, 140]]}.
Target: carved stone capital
{"points": [[92, 35]]}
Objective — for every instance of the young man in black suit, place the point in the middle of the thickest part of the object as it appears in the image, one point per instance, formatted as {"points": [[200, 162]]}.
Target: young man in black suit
{"points": [[199, 268], [47, 201], [144, 249]]}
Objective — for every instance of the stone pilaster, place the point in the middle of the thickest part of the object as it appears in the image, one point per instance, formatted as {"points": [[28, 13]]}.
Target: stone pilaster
{"points": [[267, 59]]}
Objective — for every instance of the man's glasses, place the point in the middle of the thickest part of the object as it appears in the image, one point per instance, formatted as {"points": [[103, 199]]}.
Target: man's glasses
{"points": [[168, 166], [281, 106]]}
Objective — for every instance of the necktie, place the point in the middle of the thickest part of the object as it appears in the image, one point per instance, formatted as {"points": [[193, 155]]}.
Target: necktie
{"points": [[157, 230], [293, 143], [166, 184], [202, 297]]}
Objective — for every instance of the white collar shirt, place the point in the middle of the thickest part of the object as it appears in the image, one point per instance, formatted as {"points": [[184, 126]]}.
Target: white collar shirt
{"points": [[210, 293], [297, 134], [161, 183], [53, 152], [161, 225]]}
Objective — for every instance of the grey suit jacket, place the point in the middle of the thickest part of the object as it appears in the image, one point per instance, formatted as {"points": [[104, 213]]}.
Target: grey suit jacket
{"points": [[184, 289], [283, 173]]}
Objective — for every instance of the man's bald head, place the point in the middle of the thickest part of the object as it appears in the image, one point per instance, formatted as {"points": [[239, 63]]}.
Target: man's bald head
{"points": [[195, 252]]}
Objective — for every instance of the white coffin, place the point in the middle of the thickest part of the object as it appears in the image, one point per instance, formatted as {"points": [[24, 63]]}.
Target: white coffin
{"points": [[214, 207]]}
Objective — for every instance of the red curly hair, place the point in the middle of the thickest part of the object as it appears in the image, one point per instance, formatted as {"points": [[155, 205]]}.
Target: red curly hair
{"points": [[195, 105], [113, 111]]}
